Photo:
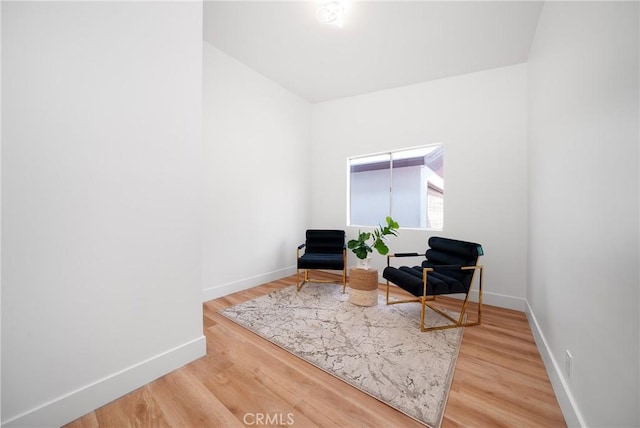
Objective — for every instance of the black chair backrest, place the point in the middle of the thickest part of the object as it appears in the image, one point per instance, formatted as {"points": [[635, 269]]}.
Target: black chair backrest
{"points": [[325, 241], [445, 251]]}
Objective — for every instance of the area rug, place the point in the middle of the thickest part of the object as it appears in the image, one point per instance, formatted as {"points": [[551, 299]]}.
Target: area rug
{"points": [[379, 349]]}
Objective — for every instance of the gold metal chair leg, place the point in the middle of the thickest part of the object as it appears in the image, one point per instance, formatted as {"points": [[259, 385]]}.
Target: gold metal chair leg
{"points": [[298, 283], [422, 312], [459, 322], [344, 270], [344, 280], [464, 308], [306, 279], [387, 291]]}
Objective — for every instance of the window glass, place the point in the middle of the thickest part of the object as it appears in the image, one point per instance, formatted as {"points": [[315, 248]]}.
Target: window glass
{"points": [[370, 181], [406, 184]]}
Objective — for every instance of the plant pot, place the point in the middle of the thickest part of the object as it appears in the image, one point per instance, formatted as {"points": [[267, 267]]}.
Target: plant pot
{"points": [[364, 263]]}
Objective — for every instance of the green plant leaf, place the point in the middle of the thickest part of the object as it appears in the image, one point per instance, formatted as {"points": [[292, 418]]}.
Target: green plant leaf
{"points": [[381, 247], [361, 248], [362, 252]]}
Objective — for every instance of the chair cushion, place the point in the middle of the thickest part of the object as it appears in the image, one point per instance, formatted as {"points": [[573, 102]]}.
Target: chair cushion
{"points": [[462, 249], [321, 261], [410, 279], [324, 241]]}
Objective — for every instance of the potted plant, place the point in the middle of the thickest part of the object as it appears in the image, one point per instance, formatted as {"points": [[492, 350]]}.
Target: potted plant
{"points": [[363, 247]]}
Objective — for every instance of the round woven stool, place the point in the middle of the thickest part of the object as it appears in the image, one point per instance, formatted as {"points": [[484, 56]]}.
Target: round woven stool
{"points": [[363, 287]]}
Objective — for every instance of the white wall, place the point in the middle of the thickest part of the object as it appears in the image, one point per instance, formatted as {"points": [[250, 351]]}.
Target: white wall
{"points": [[101, 208], [0, 212], [481, 120], [256, 151], [583, 234]]}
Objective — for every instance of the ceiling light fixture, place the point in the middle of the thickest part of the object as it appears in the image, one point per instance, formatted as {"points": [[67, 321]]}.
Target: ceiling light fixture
{"points": [[331, 13]]}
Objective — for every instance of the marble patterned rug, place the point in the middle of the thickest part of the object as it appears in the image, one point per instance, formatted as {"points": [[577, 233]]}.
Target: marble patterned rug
{"points": [[379, 349]]}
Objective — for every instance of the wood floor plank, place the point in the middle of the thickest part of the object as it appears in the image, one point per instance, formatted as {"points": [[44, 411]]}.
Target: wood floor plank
{"points": [[137, 409], [244, 380], [186, 402]]}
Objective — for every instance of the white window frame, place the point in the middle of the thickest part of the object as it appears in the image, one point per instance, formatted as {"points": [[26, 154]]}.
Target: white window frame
{"points": [[390, 156]]}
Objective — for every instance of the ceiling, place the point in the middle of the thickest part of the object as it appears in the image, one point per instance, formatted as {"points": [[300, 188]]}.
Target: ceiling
{"points": [[382, 45]]}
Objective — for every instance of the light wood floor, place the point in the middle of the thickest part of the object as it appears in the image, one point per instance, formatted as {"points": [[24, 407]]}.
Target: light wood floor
{"points": [[244, 380]]}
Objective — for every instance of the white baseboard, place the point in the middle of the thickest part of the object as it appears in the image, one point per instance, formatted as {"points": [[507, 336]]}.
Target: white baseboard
{"points": [[75, 404], [499, 300], [245, 283], [567, 403]]}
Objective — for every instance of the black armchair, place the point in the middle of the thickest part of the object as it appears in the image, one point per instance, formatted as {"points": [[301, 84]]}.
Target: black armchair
{"points": [[323, 249], [449, 268]]}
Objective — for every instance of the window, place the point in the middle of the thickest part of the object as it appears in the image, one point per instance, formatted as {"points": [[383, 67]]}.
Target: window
{"points": [[406, 184]]}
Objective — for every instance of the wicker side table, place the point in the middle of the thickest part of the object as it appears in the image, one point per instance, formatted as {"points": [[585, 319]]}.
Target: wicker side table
{"points": [[363, 287]]}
